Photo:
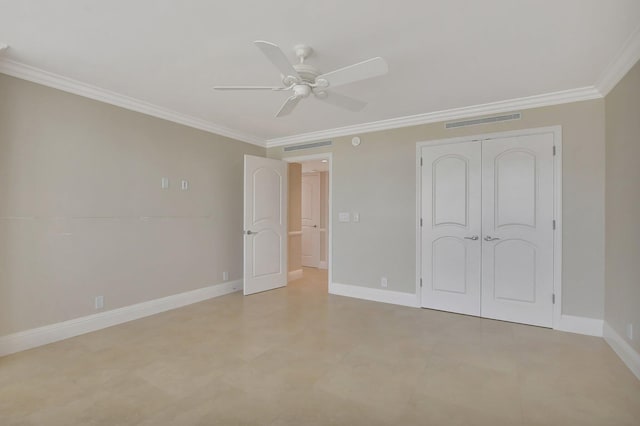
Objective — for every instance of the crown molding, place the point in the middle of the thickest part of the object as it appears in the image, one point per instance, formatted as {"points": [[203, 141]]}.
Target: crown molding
{"points": [[56, 81], [554, 98], [617, 70], [626, 58]]}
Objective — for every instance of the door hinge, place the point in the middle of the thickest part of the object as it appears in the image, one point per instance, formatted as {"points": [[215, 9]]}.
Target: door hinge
{"points": [[554, 150], [421, 222], [420, 282], [554, 224], [553, 298], [420, 161]]}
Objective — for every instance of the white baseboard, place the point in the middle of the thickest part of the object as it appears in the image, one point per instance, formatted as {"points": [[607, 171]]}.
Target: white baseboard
{"points": [[580, 325], [627, 354], [35, 337], [568, 323], [294, 275], [323, 265], [374, 294]]}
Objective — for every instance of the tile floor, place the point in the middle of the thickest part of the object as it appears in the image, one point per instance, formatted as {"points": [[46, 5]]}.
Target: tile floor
{"points": [[298, 356]]}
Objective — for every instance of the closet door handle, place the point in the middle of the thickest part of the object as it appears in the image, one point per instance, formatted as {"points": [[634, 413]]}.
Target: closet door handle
{"points": [[474, 238], [490, 238]]}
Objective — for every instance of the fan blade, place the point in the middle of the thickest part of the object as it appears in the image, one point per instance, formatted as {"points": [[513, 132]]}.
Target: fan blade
{"points": [[277, 58], [288, 106], [356, 72], [343, 101], [248, 88]]}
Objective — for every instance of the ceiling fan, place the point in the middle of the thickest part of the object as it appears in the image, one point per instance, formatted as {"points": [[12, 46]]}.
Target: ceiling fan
{"points": [[303, 79]]}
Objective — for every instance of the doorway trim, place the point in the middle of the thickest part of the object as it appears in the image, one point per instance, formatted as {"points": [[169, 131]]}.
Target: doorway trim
{"points": [[557, 205], [323, 156]]}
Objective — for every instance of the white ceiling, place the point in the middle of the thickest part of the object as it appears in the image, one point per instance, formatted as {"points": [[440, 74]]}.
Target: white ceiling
{"points": [[441, 54]]}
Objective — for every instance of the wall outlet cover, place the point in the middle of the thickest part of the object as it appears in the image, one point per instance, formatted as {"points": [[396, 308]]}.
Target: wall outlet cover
{"points": [[99, 302]]}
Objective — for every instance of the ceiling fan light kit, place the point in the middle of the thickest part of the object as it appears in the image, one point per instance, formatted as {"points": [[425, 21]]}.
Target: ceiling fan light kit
{"points": [[304, 80]]}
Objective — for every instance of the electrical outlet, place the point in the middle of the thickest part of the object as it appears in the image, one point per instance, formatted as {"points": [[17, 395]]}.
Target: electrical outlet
{"points": [[383, 281], [630, 331], [99, 302], [225, 276]]}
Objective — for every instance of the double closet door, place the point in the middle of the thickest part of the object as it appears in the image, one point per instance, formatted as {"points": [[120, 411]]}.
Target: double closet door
{"points": [[487, 234]]}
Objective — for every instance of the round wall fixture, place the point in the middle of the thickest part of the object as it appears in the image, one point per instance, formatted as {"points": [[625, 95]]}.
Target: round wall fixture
{"points": [[355, 141]]}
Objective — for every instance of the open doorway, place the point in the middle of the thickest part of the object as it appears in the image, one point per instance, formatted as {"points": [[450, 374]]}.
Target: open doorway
{"points": [[309, 218]]}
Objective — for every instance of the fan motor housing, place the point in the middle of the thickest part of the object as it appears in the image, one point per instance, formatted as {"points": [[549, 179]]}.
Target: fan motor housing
{"points": [[302, 90], [306, 72]]}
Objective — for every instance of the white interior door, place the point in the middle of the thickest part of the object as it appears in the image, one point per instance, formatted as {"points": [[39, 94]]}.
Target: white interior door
{"points": [[451, 227], [518, 213], [265, 224], [311, 219]]}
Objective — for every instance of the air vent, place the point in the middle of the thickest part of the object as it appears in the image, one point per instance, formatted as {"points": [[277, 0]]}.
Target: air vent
{"points": [[474, 122], [307, 146]]}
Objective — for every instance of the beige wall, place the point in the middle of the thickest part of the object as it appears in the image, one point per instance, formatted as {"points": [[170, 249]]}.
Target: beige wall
{"points": [[294, 256], [82, 213], [623, 206], [378, 180]]}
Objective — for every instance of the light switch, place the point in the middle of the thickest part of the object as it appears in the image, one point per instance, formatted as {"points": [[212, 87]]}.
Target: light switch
{"points": [[165, 183], [184, 185], [344, 217], [356, 217]]}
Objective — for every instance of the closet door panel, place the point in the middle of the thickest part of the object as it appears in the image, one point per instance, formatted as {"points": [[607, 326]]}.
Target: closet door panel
{"points": [[517, 211], [450, 233]]}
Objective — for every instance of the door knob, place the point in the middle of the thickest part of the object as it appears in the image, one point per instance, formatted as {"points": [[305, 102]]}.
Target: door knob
{"points": [[490, 238], [315, 226], [250, 232], [474, 238]]}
